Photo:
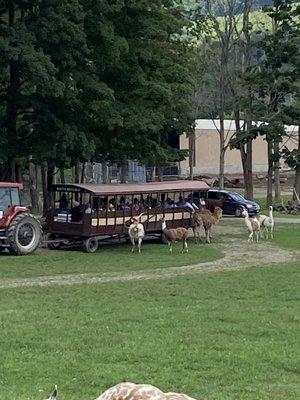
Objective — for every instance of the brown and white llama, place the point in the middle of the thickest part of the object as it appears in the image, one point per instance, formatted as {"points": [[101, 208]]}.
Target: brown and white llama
{"points": [[253, 226], [175, 235], [267, 224], [203, 217], [132, 391]]}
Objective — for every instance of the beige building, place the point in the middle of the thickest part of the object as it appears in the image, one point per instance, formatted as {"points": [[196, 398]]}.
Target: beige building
{"points": [[207, 150]]}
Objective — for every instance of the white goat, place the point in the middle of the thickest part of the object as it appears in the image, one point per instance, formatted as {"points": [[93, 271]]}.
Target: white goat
{"points": [[175, 235], [267, 224], [252, 225], [136, 233]]}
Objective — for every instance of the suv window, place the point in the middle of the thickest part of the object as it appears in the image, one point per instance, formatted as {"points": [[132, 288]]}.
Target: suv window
{"points": [[214, 195]]}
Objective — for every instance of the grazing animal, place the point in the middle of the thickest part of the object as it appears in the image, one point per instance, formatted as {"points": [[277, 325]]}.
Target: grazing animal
{"points": [[252, 225], [203, 217], [267, 224], [136, 233], [132, 391], [175, 235]]}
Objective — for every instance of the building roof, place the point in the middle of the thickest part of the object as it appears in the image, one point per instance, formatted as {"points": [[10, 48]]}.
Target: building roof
{"points": [[151, 187], [229, 125]]}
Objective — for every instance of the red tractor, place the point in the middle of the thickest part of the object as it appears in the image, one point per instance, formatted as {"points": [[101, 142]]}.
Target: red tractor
{"points": [[20, 232]]}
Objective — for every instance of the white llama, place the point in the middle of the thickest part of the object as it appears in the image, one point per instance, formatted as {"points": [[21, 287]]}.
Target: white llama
{"points": [[267, 224]]}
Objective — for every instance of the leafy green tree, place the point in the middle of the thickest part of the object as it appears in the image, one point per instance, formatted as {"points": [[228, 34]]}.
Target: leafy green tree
{"points": [[274, 80], [85, 80], [152, 83], [43, 49]]}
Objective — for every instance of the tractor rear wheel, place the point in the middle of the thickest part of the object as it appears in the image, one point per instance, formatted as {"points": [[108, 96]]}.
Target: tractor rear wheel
{"points": [[24, 234]]}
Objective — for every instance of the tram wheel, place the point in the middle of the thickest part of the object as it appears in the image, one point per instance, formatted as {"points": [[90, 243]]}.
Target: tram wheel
{"points": [[90, 245]]}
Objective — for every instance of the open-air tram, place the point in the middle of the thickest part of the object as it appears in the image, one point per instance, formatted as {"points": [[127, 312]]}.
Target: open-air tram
{"points": [[86, 213]]}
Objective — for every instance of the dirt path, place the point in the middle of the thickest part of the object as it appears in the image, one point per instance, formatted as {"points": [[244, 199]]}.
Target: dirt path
{"points": [[238, 254]]}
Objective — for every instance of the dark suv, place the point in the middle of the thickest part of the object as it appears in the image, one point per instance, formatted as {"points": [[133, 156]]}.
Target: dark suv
{"points": [[232, 203]]}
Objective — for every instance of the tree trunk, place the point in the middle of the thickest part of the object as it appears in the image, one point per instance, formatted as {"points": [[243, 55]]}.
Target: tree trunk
{"points": [[105, 172], [77, 172], [18, 173], [247, 52], [83, 168], [270, 174], [159, 170], [192, 154], [297, 172], [246, 158], [277, 187], [33, 187], [44, 188], [124, 172], [248, 173], [9, 170], [62, 175], [152, 174], [47, 172], [222, 153], [12, 96]]}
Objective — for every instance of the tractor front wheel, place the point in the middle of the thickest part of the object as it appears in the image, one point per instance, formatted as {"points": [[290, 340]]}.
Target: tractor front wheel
{"points": [[24, 234]]}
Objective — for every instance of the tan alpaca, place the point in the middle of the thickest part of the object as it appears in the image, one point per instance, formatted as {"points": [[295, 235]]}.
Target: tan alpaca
{"points": [[203, 217]]}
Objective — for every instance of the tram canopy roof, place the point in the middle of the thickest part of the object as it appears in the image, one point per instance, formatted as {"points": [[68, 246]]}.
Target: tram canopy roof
{"points": [[138, 188], [11, 185]]}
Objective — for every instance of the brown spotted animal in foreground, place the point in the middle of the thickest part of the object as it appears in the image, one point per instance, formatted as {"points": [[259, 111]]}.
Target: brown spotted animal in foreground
{"points": [[132, 391]]}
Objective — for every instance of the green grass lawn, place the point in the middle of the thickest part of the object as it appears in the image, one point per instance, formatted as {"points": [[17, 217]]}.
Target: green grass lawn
{"points": [[230, 335], [215, 336], [110, 258], [285, 235]]}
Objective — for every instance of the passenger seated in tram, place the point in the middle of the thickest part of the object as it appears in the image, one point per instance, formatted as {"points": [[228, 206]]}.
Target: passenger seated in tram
{"points": [[137, 205], [180, 202], [151, 202], [76, 212], [191, 201], [185, 203], [170, 203], [121, 205], [112, 204], [88, 209], [63, 202]]}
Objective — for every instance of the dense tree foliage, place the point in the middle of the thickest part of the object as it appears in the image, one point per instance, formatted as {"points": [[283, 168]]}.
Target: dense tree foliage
{"points": [[274, 84], [92, 80]]}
